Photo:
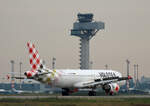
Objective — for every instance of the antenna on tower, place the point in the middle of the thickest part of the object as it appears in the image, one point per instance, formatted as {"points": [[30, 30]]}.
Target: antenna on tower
{"points": [[85, 27]]}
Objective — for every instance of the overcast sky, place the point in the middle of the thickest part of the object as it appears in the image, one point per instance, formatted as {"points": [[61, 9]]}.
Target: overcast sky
{"points": [[47, 23]]}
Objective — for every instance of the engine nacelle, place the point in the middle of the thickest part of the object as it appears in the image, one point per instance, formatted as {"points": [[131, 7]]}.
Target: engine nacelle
{"points": [[111, 88], [29, 74]]}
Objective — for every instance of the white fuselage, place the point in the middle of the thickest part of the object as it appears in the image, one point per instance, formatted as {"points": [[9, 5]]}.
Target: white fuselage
{"points": [[70, 78]]}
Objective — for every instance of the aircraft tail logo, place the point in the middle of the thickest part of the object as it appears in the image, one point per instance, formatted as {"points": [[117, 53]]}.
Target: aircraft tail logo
{"points": [[34, 60]]}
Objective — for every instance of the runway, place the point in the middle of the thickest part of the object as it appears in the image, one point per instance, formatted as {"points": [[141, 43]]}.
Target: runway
{"points": [[75, 97]]}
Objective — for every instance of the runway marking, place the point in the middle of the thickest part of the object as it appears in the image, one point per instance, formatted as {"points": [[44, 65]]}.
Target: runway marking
{"points": [[75, 97]]}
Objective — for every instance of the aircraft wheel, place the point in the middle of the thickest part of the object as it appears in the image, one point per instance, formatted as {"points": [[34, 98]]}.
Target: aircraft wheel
{"points": [[92, 93], [111, 93], [65, 91]]}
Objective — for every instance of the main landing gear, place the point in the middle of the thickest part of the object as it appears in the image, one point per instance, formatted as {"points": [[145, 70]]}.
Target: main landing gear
{"points": [[92, 93], [65, 91]]}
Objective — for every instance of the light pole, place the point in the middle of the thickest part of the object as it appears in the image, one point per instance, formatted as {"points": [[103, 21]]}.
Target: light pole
{"points": [[135, 74], [91, 64], [20, 73], [12, 74], [127, 81], [106, 67], [128, 62], [137, 66], [53, 62]]}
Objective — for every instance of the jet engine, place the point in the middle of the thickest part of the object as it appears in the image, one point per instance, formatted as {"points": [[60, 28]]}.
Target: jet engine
{"points": [[111, 88], [29, 74]]}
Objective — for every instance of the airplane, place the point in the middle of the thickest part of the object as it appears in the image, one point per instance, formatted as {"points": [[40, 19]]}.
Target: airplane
{"points": [[71, 80], [4, 91], [13, 90]]}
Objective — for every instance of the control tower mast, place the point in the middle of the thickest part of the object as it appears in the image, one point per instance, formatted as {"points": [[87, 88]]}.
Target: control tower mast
{"points": [[85, 28]]}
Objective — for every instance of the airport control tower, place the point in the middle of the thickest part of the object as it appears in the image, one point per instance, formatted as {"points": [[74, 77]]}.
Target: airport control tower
{"points": [[85, 28]]}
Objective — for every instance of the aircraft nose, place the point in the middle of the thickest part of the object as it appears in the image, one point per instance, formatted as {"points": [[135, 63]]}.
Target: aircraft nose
{"points": [[25, 73]]}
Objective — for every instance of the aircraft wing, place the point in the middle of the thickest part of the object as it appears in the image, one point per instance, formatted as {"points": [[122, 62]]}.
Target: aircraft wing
{"points": [[19, 77], [39, 74], [102, 81]]}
